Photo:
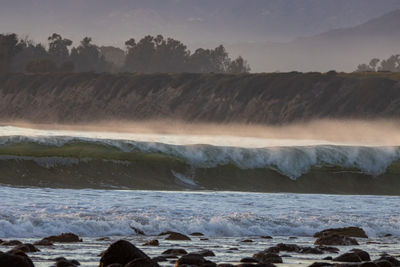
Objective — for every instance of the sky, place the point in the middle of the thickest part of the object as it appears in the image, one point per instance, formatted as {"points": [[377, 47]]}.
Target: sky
{"points": [[238, 24]]}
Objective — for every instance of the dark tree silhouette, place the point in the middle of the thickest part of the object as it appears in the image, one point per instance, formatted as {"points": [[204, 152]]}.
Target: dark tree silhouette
{"points": [[87, 57], [58, 47], [239, 65], [9, 48], [41, 66]]}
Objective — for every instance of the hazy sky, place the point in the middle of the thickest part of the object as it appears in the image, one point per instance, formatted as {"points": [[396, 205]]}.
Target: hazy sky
{"points": [[192, 21]]}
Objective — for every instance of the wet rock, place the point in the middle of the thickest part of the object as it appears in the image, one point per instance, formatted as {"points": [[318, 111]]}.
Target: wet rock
{"points": [[329, 258], [62, 238], [368, 264], [63, 262], [364, 256], [346, 231], [205, 253], [18, 259], [209, 264], [284, 247], [336, 240], [43, 243], [390, 259], [387, 235], [137, 230], [177, 236], [310, 250], [141, 263], [383, 263], [256, 265], [153, 243], [292, 237], [247, 241], [161, 258], [225, 265], [266, 237], [175, 251], [348, 257], [266, 257], [121, 252], [248, 259], [11, 243], [320, 264], [204, 239], [197, 234], [190, 259], [25, 248], [115, 265]]}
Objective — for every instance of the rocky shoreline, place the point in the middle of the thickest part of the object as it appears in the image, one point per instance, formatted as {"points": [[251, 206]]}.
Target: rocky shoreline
{"points": [[122, 253]]}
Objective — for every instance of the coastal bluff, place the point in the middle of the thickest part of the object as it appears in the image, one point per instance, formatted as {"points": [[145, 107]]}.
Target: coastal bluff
{"points": [[265, 98]]}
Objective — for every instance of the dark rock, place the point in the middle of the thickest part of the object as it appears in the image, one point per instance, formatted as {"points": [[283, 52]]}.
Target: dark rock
{"points": [[209, 264], [161, 258], [142, 263], [225, 265], [190, 259], [364, 256], [26, 248], [390, 259], [204, 239], [121, 252], [383, 263], [247, 241], [43, 243], [288, 247], [197, 234], [177, 236], [63, 262], [205, 253], [387, 235], [266, 257], [105, 238], [11, 243], [292, 237], [137, 230], [256, 265], [266, 237], [320, 264], [348, 257], [329, 258], [368, 264], [18, 259], [153, 243], [62, 238], [346, 231], [336, 240], [115, 265], [248, 259], [175, 251], [310, 250]]}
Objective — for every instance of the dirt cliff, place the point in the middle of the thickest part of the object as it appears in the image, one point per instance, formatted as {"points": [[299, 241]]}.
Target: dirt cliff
{"points": [[247, 98]]}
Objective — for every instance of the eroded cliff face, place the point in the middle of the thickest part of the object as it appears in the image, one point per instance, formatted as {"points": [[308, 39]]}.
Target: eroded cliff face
{"points": [[248, 98]]}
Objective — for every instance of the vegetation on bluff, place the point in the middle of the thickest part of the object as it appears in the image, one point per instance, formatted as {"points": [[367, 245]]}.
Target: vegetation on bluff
{"points": [[148, 55]]}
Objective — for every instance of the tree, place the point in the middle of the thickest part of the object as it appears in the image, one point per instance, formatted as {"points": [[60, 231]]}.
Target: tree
{"points": [[390, 64], [140, 55], [58, 47], [239, 65], [29, 52], [87, 57], [9, 48]]}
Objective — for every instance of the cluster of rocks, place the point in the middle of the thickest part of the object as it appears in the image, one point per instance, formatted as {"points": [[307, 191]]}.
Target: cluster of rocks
{"points": [[122, 253]]}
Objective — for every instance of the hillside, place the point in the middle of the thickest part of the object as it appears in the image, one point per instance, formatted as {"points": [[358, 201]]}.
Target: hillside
{"points": [[247, 98], [340, 49]]}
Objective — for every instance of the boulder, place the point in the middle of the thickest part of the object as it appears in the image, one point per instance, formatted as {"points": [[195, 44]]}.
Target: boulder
{"points": [[43, 243], [249, 260], [364, 256], [177, 236], [63, 262], [329, 249], [62, 238], [190, 259], [18, 259], [11, 243], [137, 230], [266, 237], [310, 250], [122, 252], [197, 234], [142, 263], [266, 257], [336, 240], [175, 251], [25, 248], [383, 263], [392, 260], [348, 257], [346, 231], [321, 264], [205, 253], [153, 243]]}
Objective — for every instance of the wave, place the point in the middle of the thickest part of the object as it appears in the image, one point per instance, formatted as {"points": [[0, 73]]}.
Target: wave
{"points": [[80, 161]]}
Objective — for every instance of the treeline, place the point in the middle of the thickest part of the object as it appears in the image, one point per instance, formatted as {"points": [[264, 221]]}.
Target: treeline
{"points": [[391, 64], [149, 55]]}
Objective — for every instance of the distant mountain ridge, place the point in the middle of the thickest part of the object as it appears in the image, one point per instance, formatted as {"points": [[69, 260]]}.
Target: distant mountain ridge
{"points": [[341, 49]]}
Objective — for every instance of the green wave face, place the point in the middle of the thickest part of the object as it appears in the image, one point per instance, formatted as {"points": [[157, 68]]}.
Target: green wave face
{"points": [[135, 165]]}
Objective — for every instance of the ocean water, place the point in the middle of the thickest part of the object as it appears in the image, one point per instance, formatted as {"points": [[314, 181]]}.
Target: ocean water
{"points": [[225, 218], [38, 199]]}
